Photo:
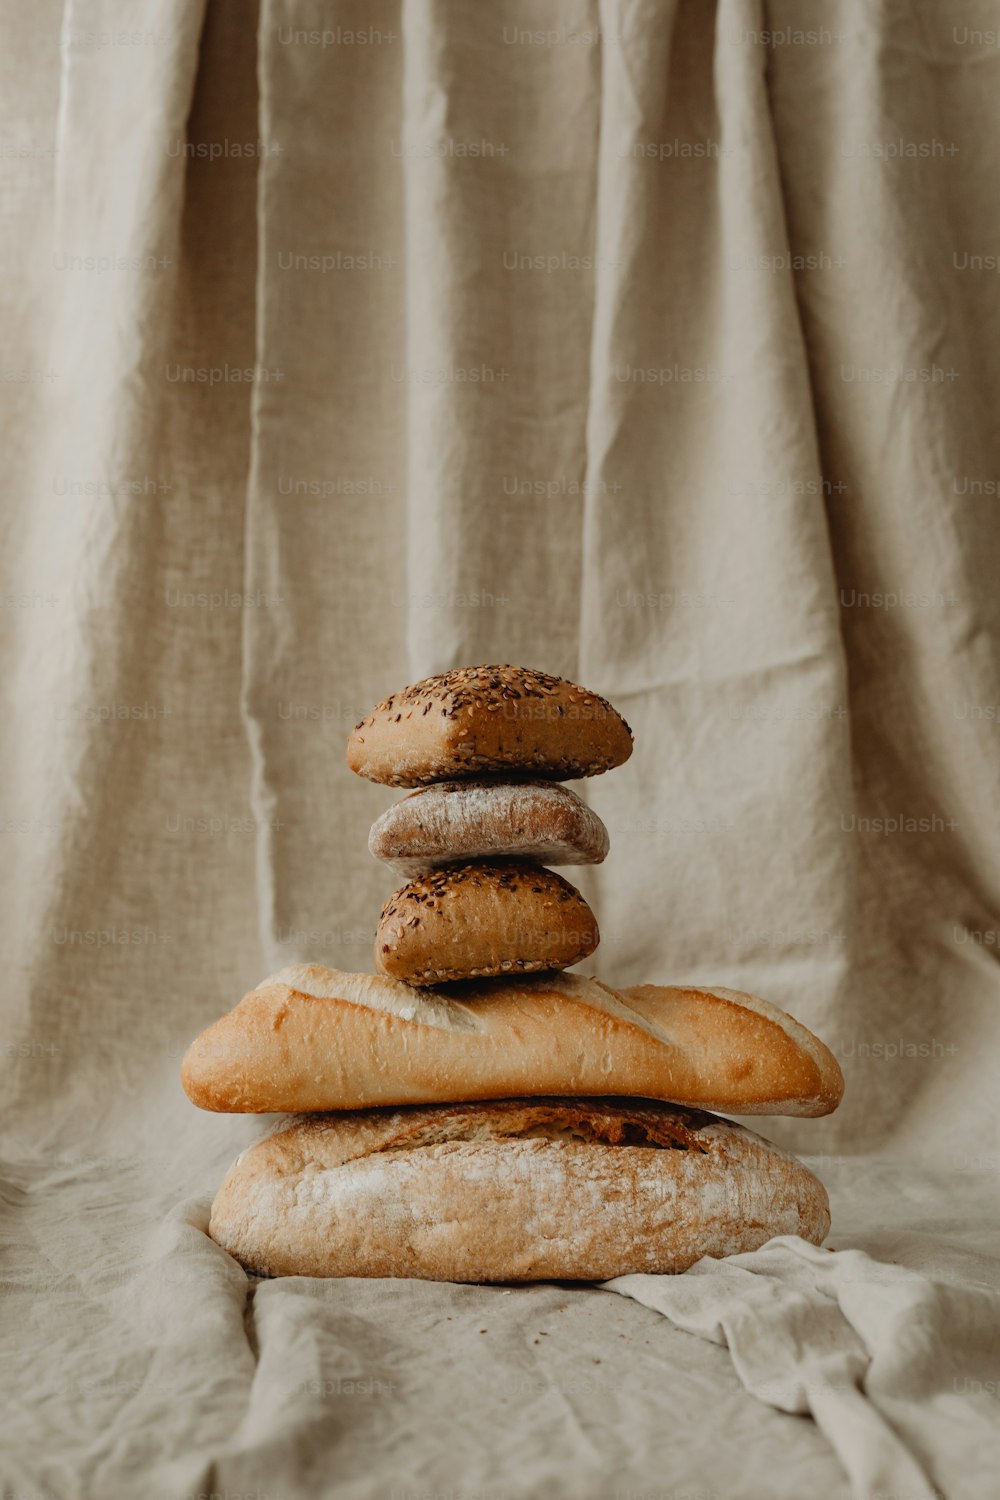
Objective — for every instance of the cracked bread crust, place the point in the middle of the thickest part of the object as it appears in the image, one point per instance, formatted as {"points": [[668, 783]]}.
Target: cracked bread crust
{"points": [[515, 1190], [490, 720], [541, 821], [480, 920]]}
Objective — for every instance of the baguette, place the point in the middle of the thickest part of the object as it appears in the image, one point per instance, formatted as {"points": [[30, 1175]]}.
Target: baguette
{"points": [[311, 1038], [519, 1190]]}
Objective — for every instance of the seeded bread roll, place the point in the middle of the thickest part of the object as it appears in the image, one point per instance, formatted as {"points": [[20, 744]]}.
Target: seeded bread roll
{"points": [[476, 920], [468, 820], [518, 1190], [488, 720], [311, 1038]]}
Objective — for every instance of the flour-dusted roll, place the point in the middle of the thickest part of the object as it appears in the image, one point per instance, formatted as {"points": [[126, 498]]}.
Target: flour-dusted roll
{"points": [[541, 821], [311, 1038], [476, 920], [518, 1190], [492, 720]]}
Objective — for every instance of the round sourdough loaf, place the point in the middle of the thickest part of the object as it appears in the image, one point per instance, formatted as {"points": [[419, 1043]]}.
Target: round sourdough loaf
{"points": [[493, 720], [462, 820], [515, 1190], [475, 921]]}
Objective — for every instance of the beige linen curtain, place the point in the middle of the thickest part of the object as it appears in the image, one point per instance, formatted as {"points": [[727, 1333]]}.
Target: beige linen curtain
{"points": [[649, 342]]}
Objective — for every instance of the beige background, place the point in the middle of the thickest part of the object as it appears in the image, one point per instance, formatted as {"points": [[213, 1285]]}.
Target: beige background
{"points": [[548, 390]]}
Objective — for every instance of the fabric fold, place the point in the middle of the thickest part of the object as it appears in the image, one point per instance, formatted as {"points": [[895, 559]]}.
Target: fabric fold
{"points": [[701, 442], [869, 1350]]}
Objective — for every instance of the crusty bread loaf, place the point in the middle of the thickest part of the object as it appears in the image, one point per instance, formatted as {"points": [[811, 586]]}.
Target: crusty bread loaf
{"points": [[483, 720], [311, 1038], [471, 921], [522, 1190], [463, 820]]}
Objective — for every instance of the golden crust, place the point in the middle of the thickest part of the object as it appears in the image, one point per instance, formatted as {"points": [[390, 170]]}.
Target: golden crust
{"points": [[470, 921], [312, 1038], [486, 720], [516, 1190]]}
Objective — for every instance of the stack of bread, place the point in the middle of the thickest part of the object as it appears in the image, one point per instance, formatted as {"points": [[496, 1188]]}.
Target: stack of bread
{"points": [[471, 1112], [481, 901]]}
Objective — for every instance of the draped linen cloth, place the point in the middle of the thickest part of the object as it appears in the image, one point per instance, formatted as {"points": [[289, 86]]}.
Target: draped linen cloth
{"points": [[649, 342]]}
